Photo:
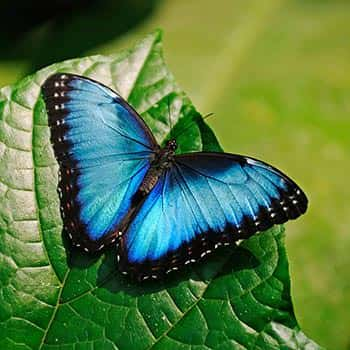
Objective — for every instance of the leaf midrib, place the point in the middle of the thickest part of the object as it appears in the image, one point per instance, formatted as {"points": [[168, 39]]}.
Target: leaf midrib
{"points": [[55, 310]]}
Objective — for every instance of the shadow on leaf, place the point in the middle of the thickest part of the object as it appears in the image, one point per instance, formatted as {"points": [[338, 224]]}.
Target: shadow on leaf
{"points": [[223, 261]]}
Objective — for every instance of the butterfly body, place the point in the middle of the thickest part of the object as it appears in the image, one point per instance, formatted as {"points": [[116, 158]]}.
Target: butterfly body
{"points": [[163, 210], [163, 160]]}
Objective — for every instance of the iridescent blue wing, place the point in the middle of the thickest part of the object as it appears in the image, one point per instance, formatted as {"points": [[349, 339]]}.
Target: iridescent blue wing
{"points": [[203, 201], [104, 150]]}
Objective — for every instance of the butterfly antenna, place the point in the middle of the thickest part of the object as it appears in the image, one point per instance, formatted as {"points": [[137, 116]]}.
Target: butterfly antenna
{"points": [[208, 115], [193, 122], [169, 116]]}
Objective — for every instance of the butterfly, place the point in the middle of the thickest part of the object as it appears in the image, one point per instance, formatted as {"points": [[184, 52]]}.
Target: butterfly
{"points": [[163, 210]]}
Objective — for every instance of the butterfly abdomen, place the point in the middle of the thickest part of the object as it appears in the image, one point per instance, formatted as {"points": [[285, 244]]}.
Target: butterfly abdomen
{"points": [[162, 161], [149, 181], [151, 178]]}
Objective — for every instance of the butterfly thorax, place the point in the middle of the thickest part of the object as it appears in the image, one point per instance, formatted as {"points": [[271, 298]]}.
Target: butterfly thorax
{"points": [[163, 159]]}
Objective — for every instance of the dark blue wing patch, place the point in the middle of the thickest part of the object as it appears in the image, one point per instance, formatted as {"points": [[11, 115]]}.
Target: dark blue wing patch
{"points": [[206, 200], [104, 150]]}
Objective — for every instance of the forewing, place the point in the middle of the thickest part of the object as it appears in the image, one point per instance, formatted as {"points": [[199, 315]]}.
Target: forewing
{"points": [[104, 150], [204, 201]]}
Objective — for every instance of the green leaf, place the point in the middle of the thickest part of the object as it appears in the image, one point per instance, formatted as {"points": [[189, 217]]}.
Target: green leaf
{"points": [[53, 298]]}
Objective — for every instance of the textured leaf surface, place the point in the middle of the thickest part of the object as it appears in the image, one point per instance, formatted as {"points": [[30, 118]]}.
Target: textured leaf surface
{"points": [[55, 298]]}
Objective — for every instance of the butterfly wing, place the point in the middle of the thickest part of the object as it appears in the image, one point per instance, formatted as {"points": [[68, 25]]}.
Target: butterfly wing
{"points": [[203, 201], [104, 150]]}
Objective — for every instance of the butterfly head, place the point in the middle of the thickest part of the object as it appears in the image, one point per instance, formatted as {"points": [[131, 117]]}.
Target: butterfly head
{"points": [[171, 145]]}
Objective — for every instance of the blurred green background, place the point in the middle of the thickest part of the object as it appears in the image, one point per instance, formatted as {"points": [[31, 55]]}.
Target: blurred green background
{"points": [[277, 75]]}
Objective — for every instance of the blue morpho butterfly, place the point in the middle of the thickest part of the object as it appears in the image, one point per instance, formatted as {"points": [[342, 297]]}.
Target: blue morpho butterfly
{"points": [[164, 210]]}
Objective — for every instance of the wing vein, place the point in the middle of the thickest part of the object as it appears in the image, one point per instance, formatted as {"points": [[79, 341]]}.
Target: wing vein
{"points": [[123, 135], [193, 196], [212, 191]]}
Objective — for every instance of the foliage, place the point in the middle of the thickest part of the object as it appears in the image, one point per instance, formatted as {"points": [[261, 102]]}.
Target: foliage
{"points": [[54, 297]]}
